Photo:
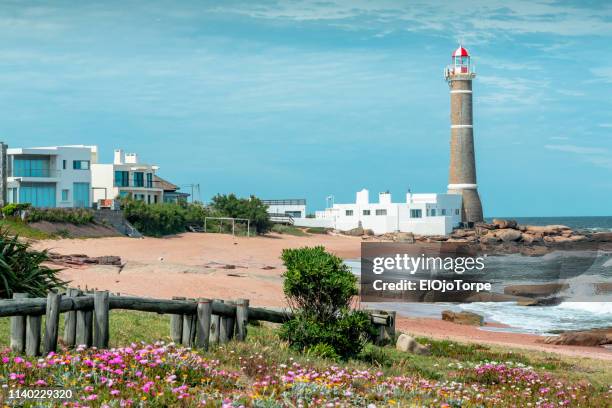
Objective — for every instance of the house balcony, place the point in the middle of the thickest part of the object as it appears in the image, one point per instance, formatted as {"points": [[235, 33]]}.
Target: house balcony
{"points": [[35, 175]]}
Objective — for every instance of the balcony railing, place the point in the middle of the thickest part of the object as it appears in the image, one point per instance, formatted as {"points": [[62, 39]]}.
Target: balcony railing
{"points": [[34, 173]]}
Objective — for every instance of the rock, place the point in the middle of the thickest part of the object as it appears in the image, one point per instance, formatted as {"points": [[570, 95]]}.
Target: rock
{"points": [[534, 250], [549, 301], [462, 233], [527, 238], [407, 237], [468, 318], [508, 235], [108, 260], [368, 232], [577, 238], [547, 229], [534, 291], [602, 288], [595, 337], [502, 224], [560, 239], [436, 238], [602, 236], [355, 232], [408, 344], [489, 239]]}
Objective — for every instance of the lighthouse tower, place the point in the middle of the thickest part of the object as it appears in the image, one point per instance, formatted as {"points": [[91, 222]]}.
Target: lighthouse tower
{"points": [[462, 174]]}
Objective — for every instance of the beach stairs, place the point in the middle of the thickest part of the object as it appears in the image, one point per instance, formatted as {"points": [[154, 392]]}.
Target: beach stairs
{"points": [[281, 219], [116, 219]]}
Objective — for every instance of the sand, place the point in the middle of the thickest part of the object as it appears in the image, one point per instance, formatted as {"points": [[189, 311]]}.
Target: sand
{"points": [[221, 266]]}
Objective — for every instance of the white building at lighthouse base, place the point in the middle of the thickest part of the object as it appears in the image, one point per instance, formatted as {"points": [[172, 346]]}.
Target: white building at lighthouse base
{"points": [[422, 214]]}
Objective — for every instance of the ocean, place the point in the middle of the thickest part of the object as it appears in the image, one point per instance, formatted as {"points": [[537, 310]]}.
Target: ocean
{"points": [[582, 308]]}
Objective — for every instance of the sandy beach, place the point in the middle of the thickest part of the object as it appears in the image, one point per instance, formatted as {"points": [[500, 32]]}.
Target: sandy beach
{"points": [[221, 266]]}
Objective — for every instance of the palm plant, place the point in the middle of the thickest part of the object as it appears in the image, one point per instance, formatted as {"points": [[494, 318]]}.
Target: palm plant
{"points": [[22, 269]]}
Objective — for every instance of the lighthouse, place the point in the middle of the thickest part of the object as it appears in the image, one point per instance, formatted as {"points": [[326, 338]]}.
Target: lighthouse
{"points": [[462, 175]]}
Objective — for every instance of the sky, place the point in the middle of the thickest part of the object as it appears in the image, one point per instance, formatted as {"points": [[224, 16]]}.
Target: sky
{"points": [[306, 99]]}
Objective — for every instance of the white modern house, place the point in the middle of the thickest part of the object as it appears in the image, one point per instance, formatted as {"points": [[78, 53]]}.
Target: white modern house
{"points": [[423, 214], [293, 207], [57, 176], [126, 177]]}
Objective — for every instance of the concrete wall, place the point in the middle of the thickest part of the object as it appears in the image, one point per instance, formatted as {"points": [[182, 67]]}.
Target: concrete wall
{"points": [[314, 222]]}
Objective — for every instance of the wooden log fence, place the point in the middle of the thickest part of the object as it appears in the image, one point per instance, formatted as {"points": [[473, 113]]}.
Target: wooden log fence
{"points": [[193, 323]]}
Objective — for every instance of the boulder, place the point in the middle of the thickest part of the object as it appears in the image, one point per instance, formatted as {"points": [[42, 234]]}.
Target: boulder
{"points": [[484, 225], [468, 318], [577, 238], [547, 229], [536, 250], [508, 234], [602, 236], [502, 224], [355, 232], [534, 291], [407, 237], [489, 239], [602, 288], [595, 337], [527, 238], [408, 344], [436, 238]]}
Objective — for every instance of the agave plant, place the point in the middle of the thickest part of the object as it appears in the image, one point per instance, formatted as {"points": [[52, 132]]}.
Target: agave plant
{"points": [[22, 269]]}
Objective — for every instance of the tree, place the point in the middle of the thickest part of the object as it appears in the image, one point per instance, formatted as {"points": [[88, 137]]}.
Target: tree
{"points": [[250, 208]]}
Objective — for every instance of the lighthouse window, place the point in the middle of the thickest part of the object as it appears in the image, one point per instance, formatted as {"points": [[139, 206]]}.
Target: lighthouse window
{"points": [[366, 212], [381, 212], [348, 213]]}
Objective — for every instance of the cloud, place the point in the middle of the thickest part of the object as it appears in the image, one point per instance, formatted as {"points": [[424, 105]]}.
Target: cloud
{"points": [[597, 156], [473, 19]]}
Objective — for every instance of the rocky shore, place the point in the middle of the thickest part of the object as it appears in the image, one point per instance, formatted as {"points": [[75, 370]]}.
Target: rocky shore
{"points": [[506, 237]]}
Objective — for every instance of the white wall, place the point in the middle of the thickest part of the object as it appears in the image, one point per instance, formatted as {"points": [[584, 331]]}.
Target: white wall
{"points": [[102, 176], [398, 215]]}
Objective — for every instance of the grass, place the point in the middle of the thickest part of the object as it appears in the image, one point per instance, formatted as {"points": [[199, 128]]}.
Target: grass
{"points": [[17, 227], [445, 362], [289, 230], [318, 230]]}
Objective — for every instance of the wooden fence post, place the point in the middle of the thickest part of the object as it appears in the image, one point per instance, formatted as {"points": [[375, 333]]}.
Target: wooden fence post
{"points": [[101, 324], [242, 319], [70, 319], [52, 321], [226, 327], [33, 335], [18, 328], [188, 330], [176, 325], [204, 311], [214, 326], [83, 335]]}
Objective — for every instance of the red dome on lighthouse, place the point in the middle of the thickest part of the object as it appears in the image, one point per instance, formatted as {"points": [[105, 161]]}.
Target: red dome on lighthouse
{"points": [[461, 52]]}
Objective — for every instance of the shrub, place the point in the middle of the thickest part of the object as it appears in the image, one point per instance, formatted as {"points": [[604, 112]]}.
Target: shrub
{"points": [[320, 287], [251, 208], [155, 219], [11, 210], [76, 216], [22, 269]]}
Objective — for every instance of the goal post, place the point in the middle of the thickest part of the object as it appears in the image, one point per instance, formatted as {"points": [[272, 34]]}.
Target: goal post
{"points": [[233, 220]]}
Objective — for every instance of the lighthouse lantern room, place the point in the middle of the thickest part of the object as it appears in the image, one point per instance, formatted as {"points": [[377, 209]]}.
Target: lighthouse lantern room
{"points": [[461, 67]]}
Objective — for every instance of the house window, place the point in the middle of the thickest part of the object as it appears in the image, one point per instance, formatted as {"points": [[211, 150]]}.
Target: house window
{"points": [[12, 195], [348, 213], [64, 163], [31, 168], [149, 180], [432, 212], [416, 213], [457, 211], [443, 211], [80, 164], [155, 199], [138, 179], [366, 212], [381, 212], [122, 178], [65, 194]]}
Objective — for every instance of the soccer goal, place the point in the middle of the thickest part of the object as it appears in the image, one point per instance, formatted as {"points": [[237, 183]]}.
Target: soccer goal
{"points": [[227, 220]]}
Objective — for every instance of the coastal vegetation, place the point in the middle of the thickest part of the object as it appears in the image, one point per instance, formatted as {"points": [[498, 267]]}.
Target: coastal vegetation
{"points": [[75, 216], [22, 269], [320, 288], [265, 371], [173, 218]]}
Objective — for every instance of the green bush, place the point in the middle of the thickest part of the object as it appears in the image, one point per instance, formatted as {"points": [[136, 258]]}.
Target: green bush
{"points": [[76, 216], [319, 288], [11, 210], [250, 208], [155, 219], [317, 230], [22, 269]]}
